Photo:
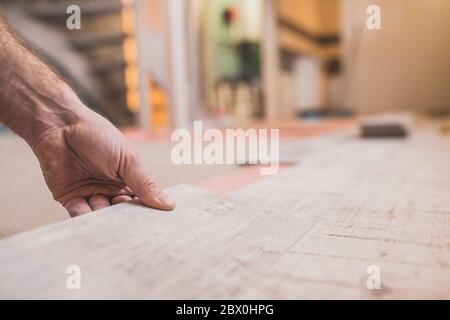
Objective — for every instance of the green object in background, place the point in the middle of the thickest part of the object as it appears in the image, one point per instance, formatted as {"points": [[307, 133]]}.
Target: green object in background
{"points": [[250, 60], [234, 53]]}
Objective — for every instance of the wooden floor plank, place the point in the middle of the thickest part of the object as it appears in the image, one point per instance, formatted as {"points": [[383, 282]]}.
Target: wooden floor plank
{"points": [[310, 232]]}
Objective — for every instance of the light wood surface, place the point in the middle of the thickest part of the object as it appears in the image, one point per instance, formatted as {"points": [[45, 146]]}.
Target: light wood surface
{"points": [[310, 232]]}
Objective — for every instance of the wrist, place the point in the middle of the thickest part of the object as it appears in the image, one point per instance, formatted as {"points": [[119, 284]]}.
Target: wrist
{"points": [[56, 111], [34, 100]]}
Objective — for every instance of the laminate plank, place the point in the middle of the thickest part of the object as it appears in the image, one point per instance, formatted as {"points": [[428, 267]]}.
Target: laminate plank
{"points": [[310, 232]]}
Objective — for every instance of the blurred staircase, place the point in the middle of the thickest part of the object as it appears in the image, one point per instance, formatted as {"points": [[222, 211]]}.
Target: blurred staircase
{"points": [[92, 58]]}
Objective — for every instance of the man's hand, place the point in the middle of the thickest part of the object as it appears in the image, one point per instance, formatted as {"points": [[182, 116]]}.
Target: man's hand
{"points": [[89, 165]]}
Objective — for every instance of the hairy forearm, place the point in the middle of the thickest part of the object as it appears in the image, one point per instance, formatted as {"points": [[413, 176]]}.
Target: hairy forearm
{"points": [[33, 99]]}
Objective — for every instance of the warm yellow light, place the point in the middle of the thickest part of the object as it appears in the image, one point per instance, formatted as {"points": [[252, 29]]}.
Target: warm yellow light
{"points": [[130, 56], [133, 100], [129, 51]]}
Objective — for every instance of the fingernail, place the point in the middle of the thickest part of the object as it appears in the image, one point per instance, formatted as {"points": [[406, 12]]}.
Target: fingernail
{"points": [[165, 199]]}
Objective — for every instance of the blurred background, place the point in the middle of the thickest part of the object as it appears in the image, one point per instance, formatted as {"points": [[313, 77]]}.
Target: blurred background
{"points": [[310, 67]]}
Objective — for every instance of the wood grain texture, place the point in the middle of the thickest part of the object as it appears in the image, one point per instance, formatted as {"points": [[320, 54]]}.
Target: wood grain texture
{"points": [[310, 232]]}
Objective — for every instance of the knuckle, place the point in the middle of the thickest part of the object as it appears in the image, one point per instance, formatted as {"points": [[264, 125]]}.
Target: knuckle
{"points": [[148, 183]]}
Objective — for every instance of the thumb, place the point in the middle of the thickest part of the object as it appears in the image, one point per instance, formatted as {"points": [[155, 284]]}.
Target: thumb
{"points": [[143, 187]]}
